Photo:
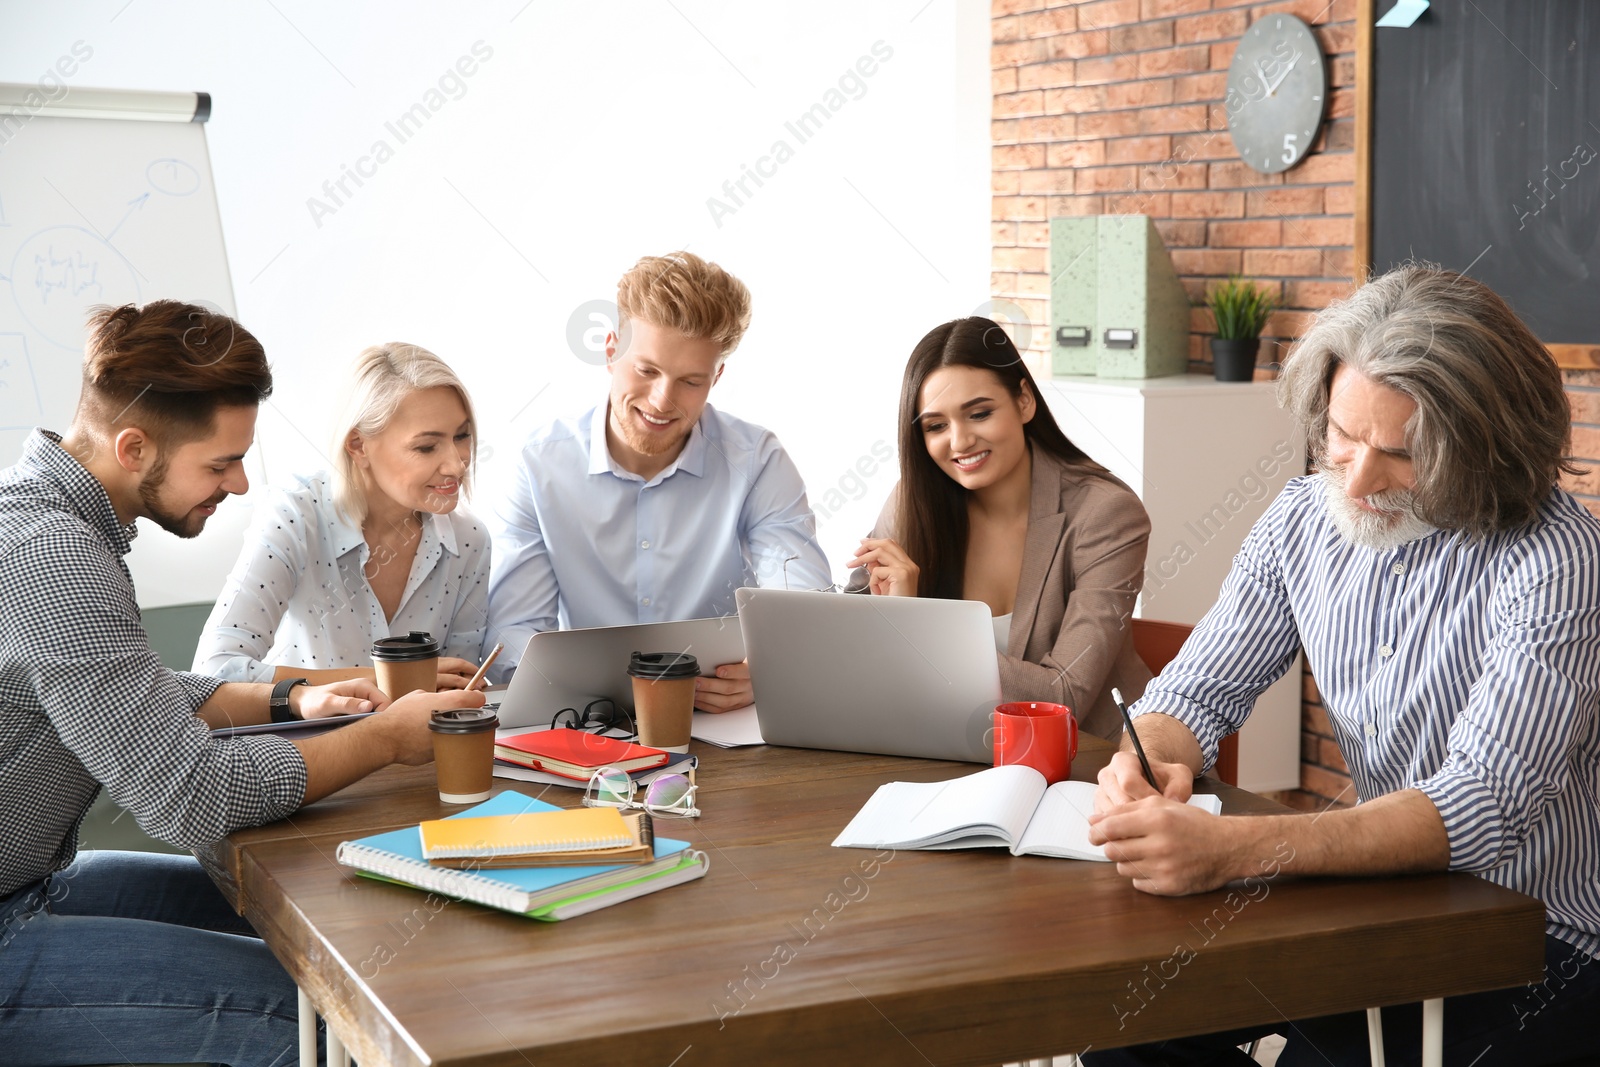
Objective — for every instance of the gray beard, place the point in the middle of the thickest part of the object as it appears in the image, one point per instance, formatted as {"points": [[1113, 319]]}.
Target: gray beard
{"points": [[1380, 533]]}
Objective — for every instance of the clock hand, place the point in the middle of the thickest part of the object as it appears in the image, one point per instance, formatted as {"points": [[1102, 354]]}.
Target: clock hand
{"points": [[1273, 88]]}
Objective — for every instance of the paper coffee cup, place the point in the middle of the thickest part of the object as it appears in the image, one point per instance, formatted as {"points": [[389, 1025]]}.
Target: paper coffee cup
{"points": [[663, 698], [463, 753], [406, 664]]}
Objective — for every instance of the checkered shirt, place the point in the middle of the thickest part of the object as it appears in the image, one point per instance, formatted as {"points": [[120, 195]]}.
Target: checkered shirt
{"points": [[85, 702]]}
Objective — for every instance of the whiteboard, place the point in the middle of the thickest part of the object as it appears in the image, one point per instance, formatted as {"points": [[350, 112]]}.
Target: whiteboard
{"points": [[106, 211]]}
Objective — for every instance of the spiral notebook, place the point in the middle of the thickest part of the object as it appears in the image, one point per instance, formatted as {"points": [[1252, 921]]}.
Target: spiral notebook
{"points": [[547, 893], [570, 838], [492, 836]]}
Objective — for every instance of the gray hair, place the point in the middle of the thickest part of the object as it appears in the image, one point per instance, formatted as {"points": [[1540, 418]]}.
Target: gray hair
{"points": [[381, 378], [1492, 421]]}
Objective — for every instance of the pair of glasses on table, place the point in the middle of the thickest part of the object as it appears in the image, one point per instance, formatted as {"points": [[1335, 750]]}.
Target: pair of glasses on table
{"points": [[597, 717], [668, 796]]}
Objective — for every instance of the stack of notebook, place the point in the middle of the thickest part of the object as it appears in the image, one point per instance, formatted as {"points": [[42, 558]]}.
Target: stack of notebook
{"points": [[569, 837], [544, 892]]}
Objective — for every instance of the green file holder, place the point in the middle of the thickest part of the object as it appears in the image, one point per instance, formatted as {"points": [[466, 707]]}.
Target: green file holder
{"points": [[1074, 277], [1117, 309]]}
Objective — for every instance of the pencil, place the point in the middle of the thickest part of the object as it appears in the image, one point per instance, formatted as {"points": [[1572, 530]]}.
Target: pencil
{"points": [[483, 670], [1149, 775]]}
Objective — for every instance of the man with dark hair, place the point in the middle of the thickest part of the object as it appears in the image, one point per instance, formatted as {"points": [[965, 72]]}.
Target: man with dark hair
{"points": [[1446, 593], [131, 956]]}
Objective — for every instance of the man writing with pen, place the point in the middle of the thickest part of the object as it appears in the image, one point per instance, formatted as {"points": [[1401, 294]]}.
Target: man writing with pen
{"points": [[1446, 594]]}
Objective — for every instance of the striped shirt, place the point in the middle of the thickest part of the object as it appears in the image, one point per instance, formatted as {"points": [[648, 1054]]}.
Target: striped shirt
{"points": [[1466, 669]]}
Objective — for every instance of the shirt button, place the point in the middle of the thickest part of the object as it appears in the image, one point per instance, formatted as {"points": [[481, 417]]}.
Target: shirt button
{"points": [[644, 544], [1385, 651], [645, 601], [1398, 569], [1372, 729]]}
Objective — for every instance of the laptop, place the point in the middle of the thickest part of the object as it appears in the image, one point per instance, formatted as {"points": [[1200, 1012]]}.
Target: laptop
{"points": [[569, 668], [903, 676]]}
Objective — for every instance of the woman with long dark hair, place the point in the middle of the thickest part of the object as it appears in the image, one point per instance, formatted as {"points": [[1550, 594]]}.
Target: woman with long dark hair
{"points": [[996, 504]]}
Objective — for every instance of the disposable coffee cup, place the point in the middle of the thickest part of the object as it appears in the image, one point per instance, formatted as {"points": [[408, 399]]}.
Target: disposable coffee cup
{"points": [[407, 664], [463, 753], [663, 697]]}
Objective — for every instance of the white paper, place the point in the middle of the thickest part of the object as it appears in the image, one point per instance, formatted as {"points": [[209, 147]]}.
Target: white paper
{"points": [[728, 729]]}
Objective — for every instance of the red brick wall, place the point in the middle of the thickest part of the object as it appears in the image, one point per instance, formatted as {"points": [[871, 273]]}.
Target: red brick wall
{"points": [[1115, 107]]}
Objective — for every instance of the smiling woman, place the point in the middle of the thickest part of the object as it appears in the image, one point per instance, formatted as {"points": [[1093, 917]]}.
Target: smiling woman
{"points": [[375, 549], [996, 504]]}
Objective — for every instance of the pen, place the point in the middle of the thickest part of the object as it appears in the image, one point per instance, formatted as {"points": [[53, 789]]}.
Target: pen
{"points": [[1149, 775], [483, 670]]}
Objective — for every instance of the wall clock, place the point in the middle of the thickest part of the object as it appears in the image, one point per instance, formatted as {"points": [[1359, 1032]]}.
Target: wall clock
{"points": [[1277, 87]]}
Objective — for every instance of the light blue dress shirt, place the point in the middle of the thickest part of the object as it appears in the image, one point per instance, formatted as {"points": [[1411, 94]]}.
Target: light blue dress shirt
{"points": [[580, 542], [1466, 669], [299, 597]]}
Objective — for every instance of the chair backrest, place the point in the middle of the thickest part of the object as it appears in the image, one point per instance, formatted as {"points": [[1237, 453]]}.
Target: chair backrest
{"points": [[1157, 644], [175, 632]]}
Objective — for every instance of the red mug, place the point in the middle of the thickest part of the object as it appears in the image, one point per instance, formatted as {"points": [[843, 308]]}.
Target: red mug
{"points": [[1041, 736]]}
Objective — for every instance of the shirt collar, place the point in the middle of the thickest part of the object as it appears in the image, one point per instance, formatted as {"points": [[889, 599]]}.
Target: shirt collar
{"points": [[692, 460], [346, 537], [85, 492]]}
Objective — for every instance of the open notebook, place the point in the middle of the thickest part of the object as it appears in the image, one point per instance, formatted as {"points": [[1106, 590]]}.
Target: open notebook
{"points": [[1002, 807]]}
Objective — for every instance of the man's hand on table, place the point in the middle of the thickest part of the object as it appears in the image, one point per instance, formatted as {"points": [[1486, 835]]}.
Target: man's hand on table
{"points": [[730, 690], [353, 696], [406, 721], [1156, 839]]}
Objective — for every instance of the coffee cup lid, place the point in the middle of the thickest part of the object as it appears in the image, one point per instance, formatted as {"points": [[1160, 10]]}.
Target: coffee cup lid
{"points": [[418, 644], [463, 721], [660, 666]]}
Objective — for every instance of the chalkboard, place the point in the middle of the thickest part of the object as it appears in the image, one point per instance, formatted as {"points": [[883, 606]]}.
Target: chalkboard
{"points": [[1486, 153], [105, 211]]}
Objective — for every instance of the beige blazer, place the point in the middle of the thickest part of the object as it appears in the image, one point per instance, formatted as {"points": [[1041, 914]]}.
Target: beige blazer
{"points": [[1082, 569]]}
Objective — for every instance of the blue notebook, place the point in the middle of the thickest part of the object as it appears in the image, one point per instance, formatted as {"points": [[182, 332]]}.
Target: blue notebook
{"points": [[548, 893]]}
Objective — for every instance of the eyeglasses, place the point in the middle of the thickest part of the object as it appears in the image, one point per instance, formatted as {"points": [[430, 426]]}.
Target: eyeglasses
{"points": [[597, 717], [668, 796]]}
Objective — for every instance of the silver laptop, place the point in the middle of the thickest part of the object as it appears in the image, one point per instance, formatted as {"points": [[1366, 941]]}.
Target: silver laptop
{"points": [[569, 668], [904, 676]]}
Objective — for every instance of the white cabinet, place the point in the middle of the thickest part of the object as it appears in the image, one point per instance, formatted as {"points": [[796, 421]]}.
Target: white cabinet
{"points": [[1206, 457]]}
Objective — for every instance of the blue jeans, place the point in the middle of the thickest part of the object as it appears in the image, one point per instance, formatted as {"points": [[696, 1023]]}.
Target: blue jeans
{"points": [[1549, 1023], [136, 957]]}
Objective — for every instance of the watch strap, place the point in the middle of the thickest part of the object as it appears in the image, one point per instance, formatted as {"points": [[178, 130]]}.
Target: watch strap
{"points": [[278, 705]]}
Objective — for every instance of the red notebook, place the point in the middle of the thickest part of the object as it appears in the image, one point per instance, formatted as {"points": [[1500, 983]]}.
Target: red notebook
{"points": [[576, 753]]}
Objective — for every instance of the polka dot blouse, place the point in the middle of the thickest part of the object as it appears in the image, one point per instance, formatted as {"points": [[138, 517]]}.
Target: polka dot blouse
{"points": [[299, 595]]}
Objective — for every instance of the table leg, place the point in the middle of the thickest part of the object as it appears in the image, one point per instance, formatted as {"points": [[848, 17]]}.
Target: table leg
{"points": [[338, 1055], [1433, 1033], [308, 1032], [1375, 1035]]}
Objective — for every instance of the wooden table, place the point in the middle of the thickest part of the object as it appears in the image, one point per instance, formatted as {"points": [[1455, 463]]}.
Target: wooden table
{"points": [[794, 952]]}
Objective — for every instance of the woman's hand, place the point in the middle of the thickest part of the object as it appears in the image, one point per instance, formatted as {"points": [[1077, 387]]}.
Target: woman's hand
{"points": [[890, 571], [455, 673]]}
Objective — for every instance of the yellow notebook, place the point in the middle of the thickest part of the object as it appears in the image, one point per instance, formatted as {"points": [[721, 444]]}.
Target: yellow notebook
{"points": [[492, 836]]}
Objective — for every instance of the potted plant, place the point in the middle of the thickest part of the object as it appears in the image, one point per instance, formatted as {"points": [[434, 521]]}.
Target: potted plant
{"points": [[1241, 309]]}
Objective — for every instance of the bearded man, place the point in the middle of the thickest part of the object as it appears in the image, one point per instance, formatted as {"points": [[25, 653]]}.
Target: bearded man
{"points": [[1446, 593]]}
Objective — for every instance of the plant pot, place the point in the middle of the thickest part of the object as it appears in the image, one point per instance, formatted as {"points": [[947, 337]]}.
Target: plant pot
{"points": [[1234, 359]]}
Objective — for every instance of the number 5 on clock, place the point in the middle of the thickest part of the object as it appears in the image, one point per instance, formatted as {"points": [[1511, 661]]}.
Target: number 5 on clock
{"points": [[1288, 148]]}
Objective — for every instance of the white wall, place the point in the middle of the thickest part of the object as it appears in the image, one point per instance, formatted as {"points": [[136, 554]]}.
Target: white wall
{"points": [[589, 135]]}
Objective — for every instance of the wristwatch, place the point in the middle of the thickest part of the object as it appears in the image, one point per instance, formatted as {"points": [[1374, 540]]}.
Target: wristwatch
{"points": [[279, 704]]}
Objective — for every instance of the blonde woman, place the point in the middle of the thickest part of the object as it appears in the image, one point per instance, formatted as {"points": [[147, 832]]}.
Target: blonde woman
{"points": [[375, 548]]}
